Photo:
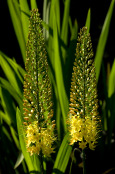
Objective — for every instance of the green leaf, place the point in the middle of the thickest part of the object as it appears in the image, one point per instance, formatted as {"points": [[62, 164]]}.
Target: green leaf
{"points": [[64, 32], [14, 135], [19, 160], [46, 11], [59, 76], [88, 20], [25, 14], [8, 107], [10, 74], [74, 31], [9, 114], [103, 39], [62, 156], [6, 132], [16, 67], [5, 117], [17, 24], [111, 85], [70, 24], [21, 70], [33, 4], [111, 102], [33, 162], [54, 7], [71, 55], [6, 85], [106, 102]]}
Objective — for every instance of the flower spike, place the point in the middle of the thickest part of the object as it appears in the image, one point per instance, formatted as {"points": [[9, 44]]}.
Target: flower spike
{"points": [[84, 120], [37, 103]]}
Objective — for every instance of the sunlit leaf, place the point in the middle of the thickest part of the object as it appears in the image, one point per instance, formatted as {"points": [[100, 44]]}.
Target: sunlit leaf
{"points": [[103, 39], [59, 77], [62, 156], [19, 160], [88, 20], [15, 13]]}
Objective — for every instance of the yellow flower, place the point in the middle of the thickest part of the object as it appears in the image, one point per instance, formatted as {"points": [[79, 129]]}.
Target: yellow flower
{"points": [[84, 131], [47, 141], [84, 121], [82, 145], [39, 140], [37, 98], [75, 129], [92, 146]]}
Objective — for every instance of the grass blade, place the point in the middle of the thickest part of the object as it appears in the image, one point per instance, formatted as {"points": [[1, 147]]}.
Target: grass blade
{"points": [[62, 156], [14, 136], [6, 132], [71, 55], [46, 11], [6, 85], [16, 20], [16, 67], [59, 76], [11, 75], [5, 117], [25, 13], [8, 107], [19, 160], [111, 96], [55, 7], [111, 85], [9, 114], [33, 4], [103, 39], [64, 32], [88, 20]]}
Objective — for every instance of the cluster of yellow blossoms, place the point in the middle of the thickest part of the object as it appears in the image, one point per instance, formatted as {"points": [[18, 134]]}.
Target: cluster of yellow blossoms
{"points": [[84, 131], [37, 102], [39, 140], [84, 121]]}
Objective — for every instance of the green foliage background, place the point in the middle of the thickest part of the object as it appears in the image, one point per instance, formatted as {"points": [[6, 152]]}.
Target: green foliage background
{"points": [[61, 37]]}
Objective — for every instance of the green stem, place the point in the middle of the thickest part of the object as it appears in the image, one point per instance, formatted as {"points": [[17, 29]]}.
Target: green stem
{"points": [[41, 163], [84, 162]]}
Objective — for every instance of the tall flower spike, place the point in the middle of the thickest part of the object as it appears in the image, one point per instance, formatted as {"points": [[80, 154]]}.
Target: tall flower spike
{"points": [[37, 103], [84, 120]]}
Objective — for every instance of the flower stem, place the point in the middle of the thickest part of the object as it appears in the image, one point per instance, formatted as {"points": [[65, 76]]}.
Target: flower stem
{"points": [[41, 163], [84, 162]]}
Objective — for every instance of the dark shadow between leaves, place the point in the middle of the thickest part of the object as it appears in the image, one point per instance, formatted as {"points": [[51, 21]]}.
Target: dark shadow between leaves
{"points": [[57, 171], [28, 15], [33, 171]]}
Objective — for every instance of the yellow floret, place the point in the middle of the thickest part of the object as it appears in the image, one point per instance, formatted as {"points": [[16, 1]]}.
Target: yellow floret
{"points": [[37, 141], [82, 145], [84, 131]]}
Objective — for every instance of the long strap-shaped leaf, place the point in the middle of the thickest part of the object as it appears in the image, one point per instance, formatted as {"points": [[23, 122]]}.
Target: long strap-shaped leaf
{"points": [[88, 20], [64, 32], [111, 87], [11, 74], [103, 40], [25, 13], [59, 76], [33, 4], [62, 156], [46, 10], [16, 20]]}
